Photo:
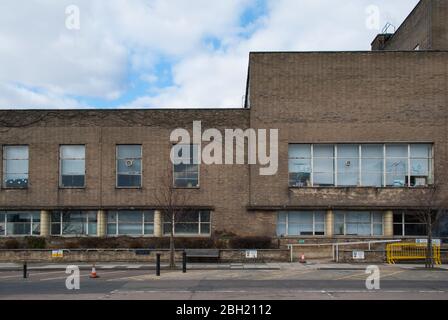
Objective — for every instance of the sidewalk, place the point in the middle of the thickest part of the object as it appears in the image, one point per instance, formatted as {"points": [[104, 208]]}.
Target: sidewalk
{"points": [[217, 266]]}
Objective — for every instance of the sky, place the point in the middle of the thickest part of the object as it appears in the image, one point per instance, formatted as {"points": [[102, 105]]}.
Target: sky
{"points": [[67, 54]]}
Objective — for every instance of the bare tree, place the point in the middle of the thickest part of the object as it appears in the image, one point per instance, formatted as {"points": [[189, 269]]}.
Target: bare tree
{"points": [[432, 209], [172, 203]]}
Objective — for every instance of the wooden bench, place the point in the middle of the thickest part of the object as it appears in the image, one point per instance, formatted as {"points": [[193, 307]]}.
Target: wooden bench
{"points": [[202, 255]]}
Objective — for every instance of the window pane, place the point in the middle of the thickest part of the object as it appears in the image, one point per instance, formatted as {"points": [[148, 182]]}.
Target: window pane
{"points": [[128, 180], [281, 217], [73, 167], [111, 228], [377, 217], [319, 217], [372, 172], [398, 229], [129, 166], [111, 217], [377, 229], [73, 181], [421, 151], [127, 228], [186, 228], [149, 228], [397, 151], [18, 228], [396, 172], [15, 152], [414, 229], [2, 224], [205, 228], [323, 165], [129, 151], [130, 216], [205, 216], [338, 228], [16, 166], [281, 229], [299, 151], [420, 167], [323, 151], [149, 216], [372, 151], [73, 152]]}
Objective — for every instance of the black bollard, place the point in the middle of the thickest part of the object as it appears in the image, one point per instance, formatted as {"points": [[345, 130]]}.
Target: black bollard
{"points": [[25, 275], [184, 262], [158, 265]]}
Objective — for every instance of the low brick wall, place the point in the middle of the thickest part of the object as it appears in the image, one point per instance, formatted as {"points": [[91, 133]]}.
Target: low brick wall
{"points": [[131, 255]]}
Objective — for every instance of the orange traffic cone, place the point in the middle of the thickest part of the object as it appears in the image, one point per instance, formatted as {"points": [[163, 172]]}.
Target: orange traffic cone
{"points": [[302, 258], [93, 274]]}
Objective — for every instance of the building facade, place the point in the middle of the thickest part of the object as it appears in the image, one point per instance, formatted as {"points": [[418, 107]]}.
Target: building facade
{"points": [[362, 142]]}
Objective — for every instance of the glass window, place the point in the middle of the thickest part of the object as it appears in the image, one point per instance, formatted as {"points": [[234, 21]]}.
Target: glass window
{"points": [[129, 166], [17, 223], [323, 165], [408, 224], [300, 223], [372, 165], [421, 165], [74, 223], [15, 166], [396, 165], [348, 164], [369, 165], [2, 224], [188, 223], [300, 165], [125, 222], [358, 223], [72, 166], [186, 166]]}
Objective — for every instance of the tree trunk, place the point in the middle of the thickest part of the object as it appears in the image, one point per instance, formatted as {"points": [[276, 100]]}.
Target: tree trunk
{"points": [[172, 251]]}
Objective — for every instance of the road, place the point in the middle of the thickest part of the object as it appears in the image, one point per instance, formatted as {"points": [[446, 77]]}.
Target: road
{"points": [[288, 281]]}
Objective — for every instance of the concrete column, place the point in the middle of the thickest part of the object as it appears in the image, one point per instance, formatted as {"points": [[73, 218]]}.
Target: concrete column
{"points": [[102, 223], [45, 223], [329, 223], [388, 223], [158, 229]]}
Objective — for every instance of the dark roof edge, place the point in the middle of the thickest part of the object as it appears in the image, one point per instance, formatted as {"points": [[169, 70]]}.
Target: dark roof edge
{"points": [[354, 51], [127, 109]]}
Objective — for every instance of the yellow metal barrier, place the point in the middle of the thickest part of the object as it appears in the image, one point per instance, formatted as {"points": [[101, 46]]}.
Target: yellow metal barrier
{"points": [[411, 251]]}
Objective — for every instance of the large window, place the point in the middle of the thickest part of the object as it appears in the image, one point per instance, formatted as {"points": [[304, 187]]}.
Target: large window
{"points": [[129, 166], [74, 223], [15, 166], [369, 165], [72, 166], [185, 166], [358, 223], [130, 222], [408, 224], [17, 223], [188, 223], [301, 223]]}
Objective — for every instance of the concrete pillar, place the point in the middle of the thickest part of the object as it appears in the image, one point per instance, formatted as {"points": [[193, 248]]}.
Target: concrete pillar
{"points": [[329, 223], [158, 228], [101, 229], [388, 223], [45, 223]]}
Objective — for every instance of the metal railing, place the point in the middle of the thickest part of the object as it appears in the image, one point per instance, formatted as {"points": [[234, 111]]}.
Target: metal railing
{"points": [[411, 251]]}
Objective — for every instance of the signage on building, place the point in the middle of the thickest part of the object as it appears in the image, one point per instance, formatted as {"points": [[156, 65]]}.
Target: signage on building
{"points": [[436, 242], [57, 253], [358, 255], [251, 254]]}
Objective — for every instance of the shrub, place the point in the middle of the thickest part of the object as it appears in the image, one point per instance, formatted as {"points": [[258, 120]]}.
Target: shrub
{"points": [[71, 245], [136, 244], [35, 243], [11, 244], [250, 243]]}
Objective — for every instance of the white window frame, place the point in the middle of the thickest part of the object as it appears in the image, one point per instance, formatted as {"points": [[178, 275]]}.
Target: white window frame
{"points": [[4, 167], [61, 159], [143, 223], [116, 166], [430, 177], [314, 223], [32, 223], [61, 221], [372, 223], [199, 222], [198, 171]]}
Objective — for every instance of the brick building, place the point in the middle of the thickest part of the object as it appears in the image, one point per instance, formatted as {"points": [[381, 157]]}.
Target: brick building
{"points": [[363, 140]]}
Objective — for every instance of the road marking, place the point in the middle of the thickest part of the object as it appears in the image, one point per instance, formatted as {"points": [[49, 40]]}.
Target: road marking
{"points": [[351, 276], [391, 274], [30, 274]]}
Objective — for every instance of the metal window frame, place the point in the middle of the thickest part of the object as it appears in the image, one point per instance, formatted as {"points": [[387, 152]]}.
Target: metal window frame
{"points": [[61, 159], [4, 167], [117, 146], [191, 160], [199, 222], [31, 223]]}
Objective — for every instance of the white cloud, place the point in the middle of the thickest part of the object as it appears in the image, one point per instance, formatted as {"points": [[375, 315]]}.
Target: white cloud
{"points": [[45, 65]]}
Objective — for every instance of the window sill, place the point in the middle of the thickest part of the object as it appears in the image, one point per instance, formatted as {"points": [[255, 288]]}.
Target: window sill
{"points": [[72, 188], [12, 188], [187, 188], [128, 188]]}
